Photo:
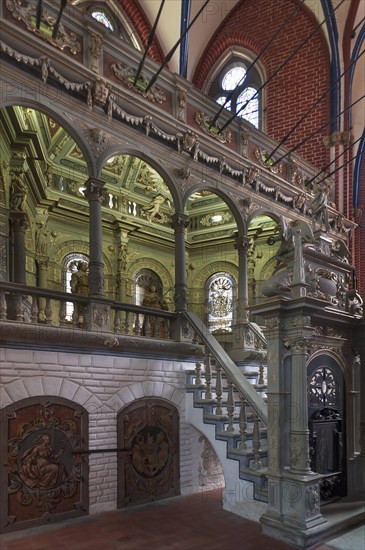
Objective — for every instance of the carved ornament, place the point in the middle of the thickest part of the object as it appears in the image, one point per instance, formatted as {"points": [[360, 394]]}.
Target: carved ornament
{"points": [[203, 121], [26, 12], [127, 75], [264, 160]]}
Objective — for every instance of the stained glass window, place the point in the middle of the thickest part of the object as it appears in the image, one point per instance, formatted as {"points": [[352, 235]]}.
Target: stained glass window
{"points": [[103, 19], [241, 86], [220, 288]]}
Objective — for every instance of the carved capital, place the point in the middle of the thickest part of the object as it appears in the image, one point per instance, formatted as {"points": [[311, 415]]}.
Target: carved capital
{"points": [[242, 244], [19, 221], [180, 223], [299, 345], [94, 189]]}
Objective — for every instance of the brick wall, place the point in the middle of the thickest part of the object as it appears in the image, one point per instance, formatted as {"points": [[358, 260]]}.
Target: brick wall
{"points": [[297, 86], [103, 385]]}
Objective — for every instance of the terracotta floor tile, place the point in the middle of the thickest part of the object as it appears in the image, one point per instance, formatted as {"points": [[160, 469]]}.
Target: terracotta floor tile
{"points": [[195, 522]]}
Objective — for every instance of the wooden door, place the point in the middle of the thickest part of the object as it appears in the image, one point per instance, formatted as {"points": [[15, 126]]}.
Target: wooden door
{"points": [[45, 478], [148, 467]]}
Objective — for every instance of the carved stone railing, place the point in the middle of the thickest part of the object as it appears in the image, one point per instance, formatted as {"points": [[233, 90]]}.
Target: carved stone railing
{"points": [[33, 305], [235, 379]]}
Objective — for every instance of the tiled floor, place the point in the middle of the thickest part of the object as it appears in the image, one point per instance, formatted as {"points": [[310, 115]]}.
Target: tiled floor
{"points": [[195, 522]]}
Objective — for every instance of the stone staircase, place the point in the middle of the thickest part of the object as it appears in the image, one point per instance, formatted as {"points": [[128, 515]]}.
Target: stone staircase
{"points": [[227, 404]]}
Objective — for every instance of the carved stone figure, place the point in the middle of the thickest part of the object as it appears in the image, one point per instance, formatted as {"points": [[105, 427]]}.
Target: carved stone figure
{"points": [[319, 205], [19, 192], [153, 326], [42, 240], [79, 280], [152, 210]]}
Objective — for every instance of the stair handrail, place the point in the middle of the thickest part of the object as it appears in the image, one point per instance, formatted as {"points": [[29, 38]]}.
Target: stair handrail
{"points": [[231, 370], [256, 329]]}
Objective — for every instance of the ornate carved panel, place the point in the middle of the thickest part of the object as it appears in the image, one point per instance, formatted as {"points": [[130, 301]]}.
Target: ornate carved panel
{"points": [[148, 467], [43, 476]]}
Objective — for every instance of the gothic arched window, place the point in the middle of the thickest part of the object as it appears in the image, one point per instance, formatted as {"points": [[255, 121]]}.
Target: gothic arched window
{"points": [[235, 78], [103, 18], [220, 299]]}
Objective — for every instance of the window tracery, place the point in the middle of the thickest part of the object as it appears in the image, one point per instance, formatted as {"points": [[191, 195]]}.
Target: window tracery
{"points": [[235, 79], [220, 296]]}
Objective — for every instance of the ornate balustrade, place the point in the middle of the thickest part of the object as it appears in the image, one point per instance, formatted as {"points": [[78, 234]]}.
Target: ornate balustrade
{"points": [[32, 316]]}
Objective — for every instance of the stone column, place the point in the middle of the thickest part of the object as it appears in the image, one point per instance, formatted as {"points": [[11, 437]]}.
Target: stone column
{"points": [[180, 224], [94, 194], [19, 224], [97, 316], [242, 245]]}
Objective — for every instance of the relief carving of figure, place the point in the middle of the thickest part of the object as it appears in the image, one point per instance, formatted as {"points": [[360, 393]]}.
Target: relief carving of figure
{"points": [[19, 192], [40, 466], [152, 210]]}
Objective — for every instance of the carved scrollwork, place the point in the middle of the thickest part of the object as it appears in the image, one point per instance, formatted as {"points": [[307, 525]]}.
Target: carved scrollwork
{"points": [[127, 76], [263, 158], [26, 12], [204, 122]]}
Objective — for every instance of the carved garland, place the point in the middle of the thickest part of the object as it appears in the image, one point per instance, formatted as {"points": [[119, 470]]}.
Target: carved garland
{"points": [[186, 142]]}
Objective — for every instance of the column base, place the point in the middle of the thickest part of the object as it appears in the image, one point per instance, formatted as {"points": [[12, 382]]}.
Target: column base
{"points": [[294, 509], [356, 476]]}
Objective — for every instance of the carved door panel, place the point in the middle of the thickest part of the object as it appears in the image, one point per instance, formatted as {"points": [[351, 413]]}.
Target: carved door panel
{"points": [[326, 430], [148, 466], [43, 476]]}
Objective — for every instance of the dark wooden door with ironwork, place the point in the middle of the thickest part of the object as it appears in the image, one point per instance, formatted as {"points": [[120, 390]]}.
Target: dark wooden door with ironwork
{"points": [[42, 476], [148, 465], [327, 426]]}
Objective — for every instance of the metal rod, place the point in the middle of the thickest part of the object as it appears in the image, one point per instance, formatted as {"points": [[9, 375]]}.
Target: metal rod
{"points": [[316, 29], [91, 451], [148, 43], [39, 11], [334, 160], [316, 132], [241, 82], [174, 48], [283, 140], [335, 170], [58, 20]]}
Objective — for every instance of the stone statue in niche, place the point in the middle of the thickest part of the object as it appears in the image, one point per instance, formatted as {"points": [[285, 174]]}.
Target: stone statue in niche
{"points": [[80, 280], [42, 240], [18, 193], [153, 325]]}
